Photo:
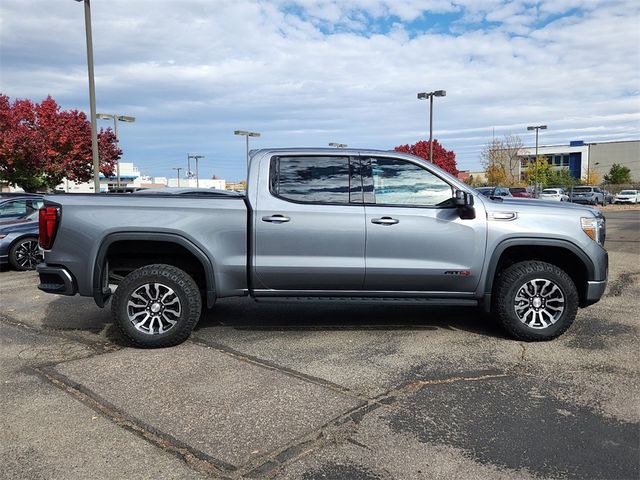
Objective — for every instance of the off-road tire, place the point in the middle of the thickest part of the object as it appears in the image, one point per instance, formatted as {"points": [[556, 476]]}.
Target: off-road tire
{"points": [[27, 243], [182, 285], [509, 283]]}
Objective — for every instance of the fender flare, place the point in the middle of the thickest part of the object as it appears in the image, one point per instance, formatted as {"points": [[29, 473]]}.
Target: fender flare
{"points": [[530, 242], [101, 295]]}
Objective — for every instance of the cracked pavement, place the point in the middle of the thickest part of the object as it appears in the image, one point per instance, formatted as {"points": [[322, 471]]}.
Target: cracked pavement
{"points": [[316, 391]]}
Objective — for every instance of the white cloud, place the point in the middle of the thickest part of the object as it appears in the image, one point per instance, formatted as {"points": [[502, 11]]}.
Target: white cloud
{"points": [[314, 71]]}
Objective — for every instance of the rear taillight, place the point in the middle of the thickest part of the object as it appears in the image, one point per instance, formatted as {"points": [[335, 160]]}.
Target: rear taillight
{"points": [[48, 223]]}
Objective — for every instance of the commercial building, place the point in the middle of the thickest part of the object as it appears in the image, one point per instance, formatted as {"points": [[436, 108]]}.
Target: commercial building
{"points": [[580, 157]]}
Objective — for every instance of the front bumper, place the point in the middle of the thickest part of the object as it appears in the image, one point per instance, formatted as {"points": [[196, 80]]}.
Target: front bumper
{"points": [[56, 280], [595, 290], [596, 286]]}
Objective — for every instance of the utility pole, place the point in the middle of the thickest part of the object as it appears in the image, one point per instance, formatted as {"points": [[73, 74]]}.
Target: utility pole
{"points": [[92, 97], [196, 158], [178, 169], [246, 134], [430, 95], [116, 119], [536, 128]]}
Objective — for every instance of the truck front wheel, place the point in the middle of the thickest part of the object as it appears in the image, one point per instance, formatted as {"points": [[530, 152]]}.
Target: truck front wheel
{"points": [[535, 300], [157, 306]]}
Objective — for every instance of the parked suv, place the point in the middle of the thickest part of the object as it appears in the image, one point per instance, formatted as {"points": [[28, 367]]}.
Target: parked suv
{"points": [[588, 195]]}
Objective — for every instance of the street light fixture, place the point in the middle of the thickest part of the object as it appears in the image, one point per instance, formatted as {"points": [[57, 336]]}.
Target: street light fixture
{"points": [[116, 119], [178, 169], [430, 95], [246, 134], [196, 158], [338, 145], [92, 97]]}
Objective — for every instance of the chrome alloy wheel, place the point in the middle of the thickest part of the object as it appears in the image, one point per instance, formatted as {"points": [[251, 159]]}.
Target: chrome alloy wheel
{"points": [[28, 254], [539, 303], [153, 308]]}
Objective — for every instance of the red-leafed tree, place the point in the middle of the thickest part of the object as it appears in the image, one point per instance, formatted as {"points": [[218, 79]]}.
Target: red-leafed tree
{"points": [[443, 158], [41, 144]]}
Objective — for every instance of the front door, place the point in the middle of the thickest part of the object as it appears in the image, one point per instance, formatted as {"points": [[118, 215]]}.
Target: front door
{"points": [[416, 240], [309, 226]]}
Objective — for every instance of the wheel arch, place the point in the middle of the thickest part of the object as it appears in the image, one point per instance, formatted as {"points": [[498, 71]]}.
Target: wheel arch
{"points": [[164, 248], [561, 253]]}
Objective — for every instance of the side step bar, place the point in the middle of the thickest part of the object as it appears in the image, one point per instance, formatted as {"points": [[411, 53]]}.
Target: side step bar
{"points": [[446, 302]]}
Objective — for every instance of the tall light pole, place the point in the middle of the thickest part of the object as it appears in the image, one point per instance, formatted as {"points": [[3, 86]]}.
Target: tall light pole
{"points": [[246, 134], [430, 95], [92, 97], [536, 128], [116, 119], [178, 169], [338, 145], [196, 158]]}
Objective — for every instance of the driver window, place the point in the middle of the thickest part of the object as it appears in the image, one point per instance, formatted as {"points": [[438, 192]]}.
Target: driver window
{"points": [[398, 182]]}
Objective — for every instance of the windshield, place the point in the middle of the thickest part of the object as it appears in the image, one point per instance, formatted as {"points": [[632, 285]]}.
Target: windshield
{"points": [[550, 190], [628, 192], [485, 190], [582, 189]]}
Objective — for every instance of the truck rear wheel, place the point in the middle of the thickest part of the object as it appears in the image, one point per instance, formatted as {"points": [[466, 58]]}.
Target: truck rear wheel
{"points": [[535, 300], [157, 306]]}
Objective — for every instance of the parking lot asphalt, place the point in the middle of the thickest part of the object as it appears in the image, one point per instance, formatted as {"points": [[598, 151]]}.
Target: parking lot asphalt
{"points": [[325, 391]]}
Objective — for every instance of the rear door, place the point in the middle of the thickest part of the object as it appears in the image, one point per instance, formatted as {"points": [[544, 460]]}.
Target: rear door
{"points": [[416, 240], [309, 225]]}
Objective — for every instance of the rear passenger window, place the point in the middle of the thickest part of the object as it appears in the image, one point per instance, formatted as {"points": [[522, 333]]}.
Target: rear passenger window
{"points": [[16, 208], [311, 179]]}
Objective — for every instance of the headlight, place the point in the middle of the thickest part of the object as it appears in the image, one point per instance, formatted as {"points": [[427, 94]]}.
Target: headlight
{"points": [[595, 228]]}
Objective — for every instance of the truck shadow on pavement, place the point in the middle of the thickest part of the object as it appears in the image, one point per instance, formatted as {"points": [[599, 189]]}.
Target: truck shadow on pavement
{"points": [[78, 315], [248, 315]]}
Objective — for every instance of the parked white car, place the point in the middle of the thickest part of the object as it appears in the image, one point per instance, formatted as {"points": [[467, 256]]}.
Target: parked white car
{"points": [[556, 194], [627, 196]]}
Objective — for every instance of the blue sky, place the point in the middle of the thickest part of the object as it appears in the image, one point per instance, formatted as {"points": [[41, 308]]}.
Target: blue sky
{"points": [[310, 72]]}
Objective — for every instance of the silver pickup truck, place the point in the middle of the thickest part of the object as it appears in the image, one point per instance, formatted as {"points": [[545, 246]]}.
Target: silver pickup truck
{"points": [[325, 224]]}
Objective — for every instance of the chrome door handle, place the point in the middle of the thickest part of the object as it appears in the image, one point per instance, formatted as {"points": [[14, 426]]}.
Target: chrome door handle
{"points": [[385, 221], [276, 219]]}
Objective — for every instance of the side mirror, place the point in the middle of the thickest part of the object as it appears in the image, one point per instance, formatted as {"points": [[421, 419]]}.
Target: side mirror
{"points": [[464, 204]]}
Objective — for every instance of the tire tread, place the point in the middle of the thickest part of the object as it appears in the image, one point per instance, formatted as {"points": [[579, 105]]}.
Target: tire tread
{"points": [[176, 275], [503, 302]]}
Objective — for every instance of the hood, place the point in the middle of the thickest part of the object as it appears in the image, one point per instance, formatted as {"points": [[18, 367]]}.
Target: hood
{"points": [[525, 204]]}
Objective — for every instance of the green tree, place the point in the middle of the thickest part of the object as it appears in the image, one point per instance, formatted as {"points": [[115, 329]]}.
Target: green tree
{"points": [[561, 178], [538, 172], [618, 174]]}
